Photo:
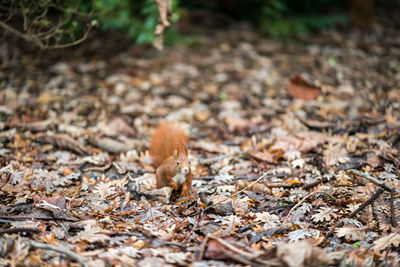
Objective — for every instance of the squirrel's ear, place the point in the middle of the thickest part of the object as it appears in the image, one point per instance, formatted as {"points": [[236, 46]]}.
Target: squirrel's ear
{"points": [[186, 151], [176, 153]]}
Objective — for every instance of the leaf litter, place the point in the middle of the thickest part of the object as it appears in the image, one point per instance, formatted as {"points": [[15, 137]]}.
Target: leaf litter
{"points": [[289, 169]]}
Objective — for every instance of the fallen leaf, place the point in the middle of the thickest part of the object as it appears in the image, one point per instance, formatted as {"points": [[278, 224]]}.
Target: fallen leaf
{"points": [[300, 87], [382, 243], [302, 254]]}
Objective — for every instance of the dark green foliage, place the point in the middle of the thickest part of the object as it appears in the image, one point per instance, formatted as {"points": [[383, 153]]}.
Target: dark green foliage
{"points": [[277, 18], [283, 18], [137, 18]]}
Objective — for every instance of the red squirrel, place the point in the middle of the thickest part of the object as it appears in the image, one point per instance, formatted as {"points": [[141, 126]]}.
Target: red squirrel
{"points": [[169, 153]]}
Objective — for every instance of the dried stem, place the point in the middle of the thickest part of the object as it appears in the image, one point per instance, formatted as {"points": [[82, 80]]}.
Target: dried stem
{"points": [[375, 181], [304, 199], [354, 213], [63, 250]]}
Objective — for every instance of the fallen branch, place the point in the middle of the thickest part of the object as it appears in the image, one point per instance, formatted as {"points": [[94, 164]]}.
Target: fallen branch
{"points": [[20, 230], [63, 250], [310, 185], [375, 181], [203, 247], [34, 216], [250, 258], [354, 213], [392, 210], [61, 141]]}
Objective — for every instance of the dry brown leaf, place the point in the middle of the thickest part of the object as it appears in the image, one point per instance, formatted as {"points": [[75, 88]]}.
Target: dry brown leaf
{"points": [[111, 145], [302, 254], [324, 214], [257, 187], [238, 124], [351, 233], [302, 142], [271, 156], [215, 251], [222, 205], [335, 153], [384, 242], [116, 127], [164, 11], [37, 126], [301, 87], [61, 141]]}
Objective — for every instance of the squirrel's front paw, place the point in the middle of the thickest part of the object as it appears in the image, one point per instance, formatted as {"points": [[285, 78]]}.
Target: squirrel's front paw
{"points": [[174, 185]]}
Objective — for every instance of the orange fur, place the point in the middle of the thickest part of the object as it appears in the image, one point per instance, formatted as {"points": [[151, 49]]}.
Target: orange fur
{"points": [[168, 150], [167, 138]]}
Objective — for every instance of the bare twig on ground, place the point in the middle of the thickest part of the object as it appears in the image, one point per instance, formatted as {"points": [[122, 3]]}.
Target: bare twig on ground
{"points": [[62, 141], [310, 185], [354, 213], [34, 216], [64, 250], [375, 181], [203, 247], [251, 258], [392, 210], [302, 201], [19, 230]]}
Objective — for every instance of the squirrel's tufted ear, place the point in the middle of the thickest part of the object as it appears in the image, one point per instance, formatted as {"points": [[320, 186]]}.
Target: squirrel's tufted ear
{"points": [[176, 153], [186, 151]]}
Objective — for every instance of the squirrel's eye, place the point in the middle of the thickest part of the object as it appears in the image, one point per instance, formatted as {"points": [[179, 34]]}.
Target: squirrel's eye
{"points": [[177, 163]]}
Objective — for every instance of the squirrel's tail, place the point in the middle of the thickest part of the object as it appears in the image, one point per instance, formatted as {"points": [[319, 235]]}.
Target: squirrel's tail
{"points": [[167, 138]]}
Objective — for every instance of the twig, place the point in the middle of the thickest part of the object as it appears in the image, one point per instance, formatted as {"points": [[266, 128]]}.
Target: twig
{"points": [[39, 43], [235, 249], [80, 40], [310, 185], [173, 244], [237, 257], [19, 230], [75, 11], [392, 210], [33, 216], [375, 181], [203, 247], [302, 201], [354, 213], [63, 250], [14, 31], [194, 227], [366, 203], [251, 258]]}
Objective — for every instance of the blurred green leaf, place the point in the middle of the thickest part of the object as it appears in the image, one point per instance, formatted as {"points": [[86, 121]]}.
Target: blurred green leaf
{"points": [[332, 61]]}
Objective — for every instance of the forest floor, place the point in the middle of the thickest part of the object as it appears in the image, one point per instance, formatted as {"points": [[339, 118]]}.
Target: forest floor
{"points": [[295, 151]]}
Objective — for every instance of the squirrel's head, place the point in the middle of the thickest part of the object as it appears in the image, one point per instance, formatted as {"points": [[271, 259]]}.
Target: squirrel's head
{"points": [[182, 162]]}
